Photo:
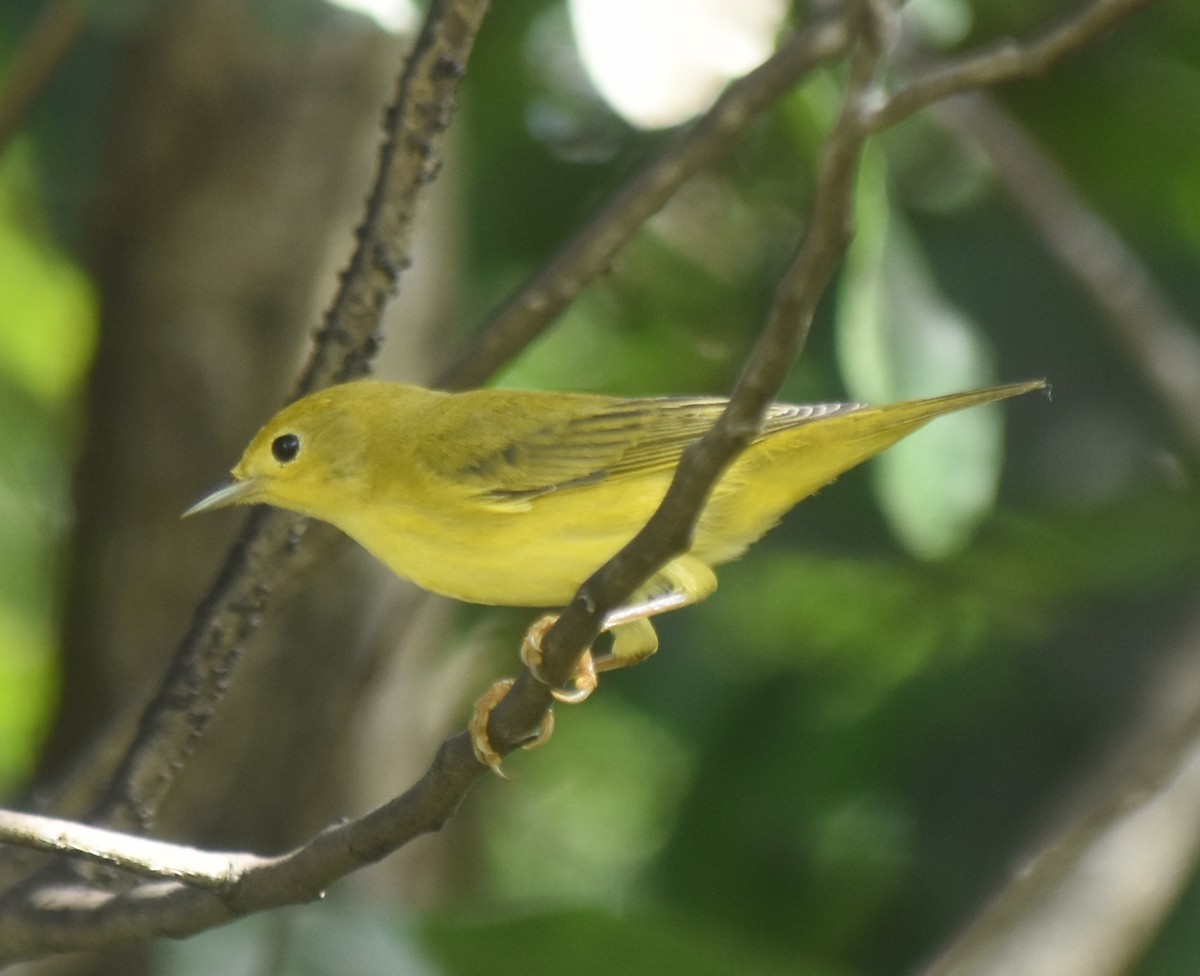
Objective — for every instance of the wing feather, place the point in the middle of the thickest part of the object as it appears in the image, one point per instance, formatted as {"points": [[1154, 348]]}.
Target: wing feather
{"points": [[613, 440]]}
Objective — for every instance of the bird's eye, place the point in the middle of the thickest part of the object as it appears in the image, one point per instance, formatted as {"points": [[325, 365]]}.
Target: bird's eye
{"points": [[285, 447]]}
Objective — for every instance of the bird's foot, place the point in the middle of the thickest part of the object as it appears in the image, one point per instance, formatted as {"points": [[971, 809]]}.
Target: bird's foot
{"points": [[583, 681], [481, 713]]}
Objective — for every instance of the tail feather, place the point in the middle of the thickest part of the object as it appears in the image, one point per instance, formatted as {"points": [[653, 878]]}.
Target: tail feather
{"points": [[807, 456], [913, 413]]}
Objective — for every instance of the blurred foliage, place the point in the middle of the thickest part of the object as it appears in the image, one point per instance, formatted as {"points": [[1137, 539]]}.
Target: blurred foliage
{"points": [[900, 338], [584, 942], [47, 331], [831, 763], [583, 833], [339, 935]]}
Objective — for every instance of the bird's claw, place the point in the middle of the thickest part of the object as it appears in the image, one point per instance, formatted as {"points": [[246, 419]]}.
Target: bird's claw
{"points": [[481, 713], [583, 681]]}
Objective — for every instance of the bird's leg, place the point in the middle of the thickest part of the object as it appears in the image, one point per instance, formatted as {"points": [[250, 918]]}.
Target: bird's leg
{"points": [[680, 583], [634, 640], [481, 713], [583, 681], [649, 607]]}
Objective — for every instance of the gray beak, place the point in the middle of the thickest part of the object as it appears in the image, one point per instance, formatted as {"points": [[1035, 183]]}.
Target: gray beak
{"points": [[230, 493]]}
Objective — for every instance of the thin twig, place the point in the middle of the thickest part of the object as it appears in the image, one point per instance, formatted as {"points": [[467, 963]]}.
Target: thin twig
{"points": [[517, 717], [534, 306], [668, 533], [1004, 63], [62, 919], [200, 672], [409, 160]]}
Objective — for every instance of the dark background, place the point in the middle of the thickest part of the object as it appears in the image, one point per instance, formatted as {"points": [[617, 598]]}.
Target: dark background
{"points": [[830, 765]]}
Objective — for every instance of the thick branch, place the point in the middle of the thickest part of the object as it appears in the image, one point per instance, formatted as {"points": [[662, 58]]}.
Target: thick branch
{"points": [[61, 919], [668, 532], [210, 650], [223, 886]]}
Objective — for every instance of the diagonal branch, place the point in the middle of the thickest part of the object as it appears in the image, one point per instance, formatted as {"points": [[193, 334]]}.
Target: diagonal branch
{"points": [[200, 672], [1093, 896], [1004, 63], [535, 305], [60, 918], [668, 533]]}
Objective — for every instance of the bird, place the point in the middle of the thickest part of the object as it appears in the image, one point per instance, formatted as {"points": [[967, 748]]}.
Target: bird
{"points": [[515, 497]]}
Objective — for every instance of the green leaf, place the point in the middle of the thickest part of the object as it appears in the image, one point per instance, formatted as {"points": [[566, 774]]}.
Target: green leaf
{"points": [[48, 310], [900, 338], [880, 620], [26, 683], [592, 812], [592, 942]]}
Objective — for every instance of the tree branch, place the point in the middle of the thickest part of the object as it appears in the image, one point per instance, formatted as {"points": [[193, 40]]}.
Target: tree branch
{"points": [[865, 111], [668, 532], [1004, 63], [535, 305], [60, 918], [200, 672], [1093, 896], [222, 886], [139, 855]]}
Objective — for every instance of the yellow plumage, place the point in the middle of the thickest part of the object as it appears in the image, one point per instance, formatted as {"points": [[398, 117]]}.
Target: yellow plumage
{"points": [[512, 497]]}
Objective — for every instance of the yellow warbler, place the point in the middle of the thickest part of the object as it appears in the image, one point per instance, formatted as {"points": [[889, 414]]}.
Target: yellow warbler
{"points": [[515, 497]]}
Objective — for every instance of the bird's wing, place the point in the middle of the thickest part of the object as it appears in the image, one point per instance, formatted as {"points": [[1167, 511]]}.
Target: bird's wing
{"points": [[612, 439]]}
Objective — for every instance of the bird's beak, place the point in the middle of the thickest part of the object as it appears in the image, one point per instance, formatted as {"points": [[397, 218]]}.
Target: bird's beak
{"points": [[229, 493]]}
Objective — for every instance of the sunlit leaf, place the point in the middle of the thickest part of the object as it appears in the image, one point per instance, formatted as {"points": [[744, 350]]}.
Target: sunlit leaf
{"points": [[900, 338], [943, 22], [26, 678], [47, 306], [659, 62]]}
